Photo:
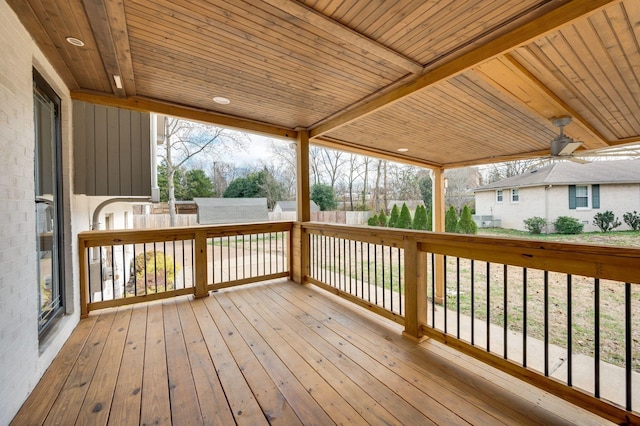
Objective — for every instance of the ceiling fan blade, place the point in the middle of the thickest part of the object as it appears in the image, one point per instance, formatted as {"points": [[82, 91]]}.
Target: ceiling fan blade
{"points": [[579, 160]]}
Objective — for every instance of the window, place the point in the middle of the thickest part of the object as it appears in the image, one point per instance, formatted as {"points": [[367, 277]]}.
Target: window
{"points": [[515, 195], [584, 196], [499, 196]]}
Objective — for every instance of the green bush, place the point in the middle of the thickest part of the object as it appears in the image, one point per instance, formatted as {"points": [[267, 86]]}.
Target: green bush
{"points": [[430, 219], [420, 218], [395, 215], [568, 225], [373, 220], [606, 221], [323, 196], [535, 224], [466, 225], [632, 220], [382, 219], [451, 220], [404, 221], [154, 271]]}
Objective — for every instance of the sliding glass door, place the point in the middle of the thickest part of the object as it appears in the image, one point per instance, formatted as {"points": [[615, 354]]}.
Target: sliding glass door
{"points": [[48, 203]]}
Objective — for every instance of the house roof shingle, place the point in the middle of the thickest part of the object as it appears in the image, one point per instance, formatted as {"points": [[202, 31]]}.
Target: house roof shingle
{"points": [[569, 173]]}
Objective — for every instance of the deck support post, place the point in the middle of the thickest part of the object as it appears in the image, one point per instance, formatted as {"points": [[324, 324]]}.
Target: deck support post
{"points": [[415, 293], [300, 239], [438, 211], [201, 289]]}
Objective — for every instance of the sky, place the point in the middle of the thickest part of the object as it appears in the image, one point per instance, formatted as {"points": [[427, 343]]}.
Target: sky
{"points": [[258, 148]]}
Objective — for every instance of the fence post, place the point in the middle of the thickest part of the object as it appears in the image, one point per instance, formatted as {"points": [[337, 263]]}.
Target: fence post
{"points": [[415, 292], [201, 265]]}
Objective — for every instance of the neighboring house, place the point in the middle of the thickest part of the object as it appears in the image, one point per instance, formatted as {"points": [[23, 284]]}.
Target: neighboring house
{"points": [[292, 206], [563, 189], [231, 210]]}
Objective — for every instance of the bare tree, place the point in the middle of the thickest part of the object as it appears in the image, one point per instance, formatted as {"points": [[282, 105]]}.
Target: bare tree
{"points": [[284, 157], [354, 160], [364, 173], [405, 182], [501, 171], [315, 157], [332, 162], [460, 185], [375, 197], [385, 194], [184, 140]]}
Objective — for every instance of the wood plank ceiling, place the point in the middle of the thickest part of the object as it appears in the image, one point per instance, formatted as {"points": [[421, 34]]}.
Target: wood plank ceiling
{"points": [[455, 82]]}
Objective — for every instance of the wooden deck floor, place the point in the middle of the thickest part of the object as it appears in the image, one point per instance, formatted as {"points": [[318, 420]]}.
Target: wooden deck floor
{"points": [[274, 353]]}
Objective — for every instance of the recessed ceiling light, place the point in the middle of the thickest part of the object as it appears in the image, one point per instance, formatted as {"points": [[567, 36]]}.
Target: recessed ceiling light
{"points": [[75, 41], [403, 149], [222, 101]]}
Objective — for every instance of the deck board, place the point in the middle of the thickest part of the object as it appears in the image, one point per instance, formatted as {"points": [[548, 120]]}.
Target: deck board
{"points": [[273, 353], [36, 408], [185, 406], [67, 406], [211, 396], [125, 409], [155, 405]]}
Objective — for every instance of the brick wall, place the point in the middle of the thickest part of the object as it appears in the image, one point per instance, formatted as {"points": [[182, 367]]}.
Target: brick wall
{"points": [[23, 358]]}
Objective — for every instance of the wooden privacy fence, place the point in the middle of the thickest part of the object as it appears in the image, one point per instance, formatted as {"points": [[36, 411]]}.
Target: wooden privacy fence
{"points": [[564, 317], [131, 266]]}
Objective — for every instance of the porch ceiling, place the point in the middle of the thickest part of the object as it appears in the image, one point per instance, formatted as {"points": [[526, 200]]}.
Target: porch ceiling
{"points": [[456, 82]]}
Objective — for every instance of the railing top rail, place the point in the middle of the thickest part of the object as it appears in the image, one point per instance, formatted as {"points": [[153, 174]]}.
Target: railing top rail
{"points": [[597, 261], [442, 238], [135, 236], [371, 234]]}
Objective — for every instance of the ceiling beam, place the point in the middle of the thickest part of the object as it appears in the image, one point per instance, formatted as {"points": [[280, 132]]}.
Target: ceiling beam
{"points": [[346, 34], [98, 18], [498, 159], [532, 30], [120, 34], [553, 98], [138, 103], [512, 79], [625, 141], [353, 148]]}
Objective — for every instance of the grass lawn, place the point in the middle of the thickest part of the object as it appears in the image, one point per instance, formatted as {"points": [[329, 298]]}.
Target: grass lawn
{"points": [[615, 238]]}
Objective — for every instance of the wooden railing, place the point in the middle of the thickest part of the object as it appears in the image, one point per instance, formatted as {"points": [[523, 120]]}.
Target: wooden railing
{"points": [[131, 266], [564, 317], [363, 265]]}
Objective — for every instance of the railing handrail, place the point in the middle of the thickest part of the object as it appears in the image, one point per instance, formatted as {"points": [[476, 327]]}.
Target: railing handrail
{"points": [[200, 235], [372, 234], [138, 236], [597, 261]]}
